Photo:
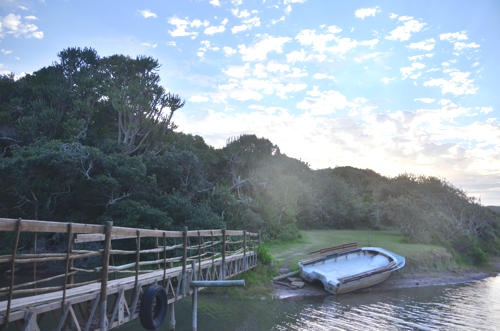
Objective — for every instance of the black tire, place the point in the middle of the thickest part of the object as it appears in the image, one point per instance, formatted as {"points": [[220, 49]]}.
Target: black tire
{"points": [[153, 310]]}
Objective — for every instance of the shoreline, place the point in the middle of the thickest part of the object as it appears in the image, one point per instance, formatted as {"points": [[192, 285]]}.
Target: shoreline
{"points": [[397, 281]]}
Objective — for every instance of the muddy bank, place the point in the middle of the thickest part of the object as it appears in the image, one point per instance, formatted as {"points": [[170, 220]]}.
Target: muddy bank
{"points": [[397, 281]]}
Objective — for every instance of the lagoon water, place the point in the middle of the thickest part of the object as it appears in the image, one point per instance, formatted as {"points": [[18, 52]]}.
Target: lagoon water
{"points": [[470, 306]]}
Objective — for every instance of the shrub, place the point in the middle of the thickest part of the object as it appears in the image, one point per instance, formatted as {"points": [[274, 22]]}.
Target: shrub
{"points": [[264, 255]]}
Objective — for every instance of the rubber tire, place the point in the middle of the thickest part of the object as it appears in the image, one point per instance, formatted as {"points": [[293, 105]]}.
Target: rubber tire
{"points": [[152, 317]]}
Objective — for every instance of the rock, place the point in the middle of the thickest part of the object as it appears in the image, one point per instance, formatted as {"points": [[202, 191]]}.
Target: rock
{"points": [[298, 284], [293, 279]]}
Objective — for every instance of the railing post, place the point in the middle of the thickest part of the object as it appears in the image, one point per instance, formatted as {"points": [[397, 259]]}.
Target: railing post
{"points": [[104, 280], [158, 266], [68, 265], [184, 259], [195, 298], [137, 259], [12, 271], [223, 267], [244, 250], [34, 264], [164, 260]]}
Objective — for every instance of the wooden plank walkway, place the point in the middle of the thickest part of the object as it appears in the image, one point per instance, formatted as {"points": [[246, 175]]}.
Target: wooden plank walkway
{"points": [[106, 304]]}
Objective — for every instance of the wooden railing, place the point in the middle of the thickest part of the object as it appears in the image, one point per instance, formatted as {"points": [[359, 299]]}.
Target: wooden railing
{"points": [[165, 250]]}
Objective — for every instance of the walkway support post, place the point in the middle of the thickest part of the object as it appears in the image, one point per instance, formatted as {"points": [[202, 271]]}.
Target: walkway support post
{"points": [[207, 283], [104, 280]]}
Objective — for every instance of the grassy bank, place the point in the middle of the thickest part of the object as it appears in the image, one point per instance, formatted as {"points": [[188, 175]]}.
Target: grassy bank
{"points": [[418, 257]]}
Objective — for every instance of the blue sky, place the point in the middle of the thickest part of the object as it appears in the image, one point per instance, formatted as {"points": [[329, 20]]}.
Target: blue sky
{"points": [[393, 86]]}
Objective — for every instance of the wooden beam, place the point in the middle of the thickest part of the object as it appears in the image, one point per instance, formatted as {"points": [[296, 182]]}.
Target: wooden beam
{"points": [[8, 224]]}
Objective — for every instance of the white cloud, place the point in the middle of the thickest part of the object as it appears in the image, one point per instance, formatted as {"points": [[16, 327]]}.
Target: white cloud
{"points": [[425, 100], [5, 51], [282, 90], [214, 3], [260, 70], [216, 29], [425, 45], [459, 84], [367, 56], [296, 56], [147, 13], [403, 32], [419, 57], [320, 75], [197, 23], [259, 50], [237, 71], [240, 14], [286, 2], [206, 45], [386, 80], [274, 66], [459, 45], [408, 71], [198, 98], [181, 27], [452, 37], [296, 72], [149, 45], [229, 51], [247, 25], [364, 12], [486, 110], [475, 64], [282, 18], [309, 37], [325, 102], [22, 7], [31, 18], [13, 26]]}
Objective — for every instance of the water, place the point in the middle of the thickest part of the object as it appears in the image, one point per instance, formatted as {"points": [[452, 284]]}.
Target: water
{"points": [[472, 306]]}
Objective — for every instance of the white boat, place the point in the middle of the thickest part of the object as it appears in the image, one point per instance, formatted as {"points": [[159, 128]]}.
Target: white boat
{"points": [[347, 268]]}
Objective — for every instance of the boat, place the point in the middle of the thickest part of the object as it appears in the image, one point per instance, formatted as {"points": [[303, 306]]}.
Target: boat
{"points": [[347, 268]]}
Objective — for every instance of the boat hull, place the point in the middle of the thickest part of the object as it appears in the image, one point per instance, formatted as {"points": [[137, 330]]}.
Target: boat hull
{"points": [[349, 271]]}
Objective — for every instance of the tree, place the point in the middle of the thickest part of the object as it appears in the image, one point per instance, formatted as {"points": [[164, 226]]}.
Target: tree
{"points": [[141, 106]]}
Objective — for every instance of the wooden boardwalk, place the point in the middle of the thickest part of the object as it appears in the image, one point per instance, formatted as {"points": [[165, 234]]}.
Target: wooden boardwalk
{"points": [[104, 303]]}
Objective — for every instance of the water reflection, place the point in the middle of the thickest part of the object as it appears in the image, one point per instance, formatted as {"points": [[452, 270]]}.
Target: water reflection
{"points": [[464, 307]]}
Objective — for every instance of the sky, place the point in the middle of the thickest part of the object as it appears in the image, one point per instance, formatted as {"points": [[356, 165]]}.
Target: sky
{"points": [[392, 86]]}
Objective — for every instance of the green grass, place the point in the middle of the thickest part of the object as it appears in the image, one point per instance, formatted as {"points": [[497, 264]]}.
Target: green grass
{"points": [[418, 257]]}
